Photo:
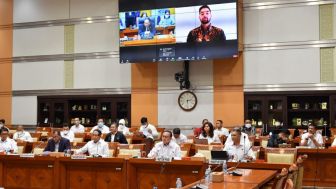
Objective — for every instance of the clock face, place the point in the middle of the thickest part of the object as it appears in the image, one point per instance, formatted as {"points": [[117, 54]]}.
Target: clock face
{"points": [[187, 100]]}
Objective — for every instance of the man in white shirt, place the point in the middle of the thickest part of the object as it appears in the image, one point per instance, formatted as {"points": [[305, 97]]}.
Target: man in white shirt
{"points": [[122, 127], [6, 144], [68, 134], [147, 129], [243, 137], [97, 147], [166, 148], [101, 126], [78, 127], [178, 137], [220, 130], [312, 138], [237, 150], [22, 135]]}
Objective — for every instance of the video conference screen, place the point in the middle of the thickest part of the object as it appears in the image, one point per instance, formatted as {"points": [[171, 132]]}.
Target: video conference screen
{"points": [[175, 30]]}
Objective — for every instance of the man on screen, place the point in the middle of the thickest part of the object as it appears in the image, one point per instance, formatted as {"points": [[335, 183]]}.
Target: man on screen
{"points": [[147, 29], [206, 32]]}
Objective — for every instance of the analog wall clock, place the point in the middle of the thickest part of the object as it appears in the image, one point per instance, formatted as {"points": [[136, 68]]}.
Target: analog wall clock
{"points": [[187, 100]]}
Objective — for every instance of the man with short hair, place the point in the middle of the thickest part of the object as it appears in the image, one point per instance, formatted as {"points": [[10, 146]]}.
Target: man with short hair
{"points": [[67, 133], [22, 135], [101, 126], [166, 148], [147, 30], [2, 124], [6, 144], [248, 128], [206, 32], [178, 137], [78, 127], [122, 127], [220, 130], [147, 129], [312, 138], [238, 150], [97, 147], [115, 135], [243, 137], [276, 139], [57, 143]]}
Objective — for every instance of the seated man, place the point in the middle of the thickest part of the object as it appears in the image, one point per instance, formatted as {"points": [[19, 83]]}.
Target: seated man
{"points": [[101, 126], [115, 135], [122, 127], [220, 130], [67, 133], [166, 148], [248, 128], [147, 29], [243, 137], [57, 143], [238, 150], [276, 139], [78, 127], [147, 129], [312, 138], [2, 124], [178, 137], [6, 144], [22, 135], [97, 147]]}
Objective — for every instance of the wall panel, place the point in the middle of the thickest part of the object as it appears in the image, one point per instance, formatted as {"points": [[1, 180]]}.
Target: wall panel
{"points": [[24, 110], [38, 41], [40, 10], [282, 66], [281, 24], [86, 8], [99, 37], [38, 75], [102, 73]]}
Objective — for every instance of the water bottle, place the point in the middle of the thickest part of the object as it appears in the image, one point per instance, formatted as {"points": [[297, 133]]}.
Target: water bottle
{"points": [[207, 175], [224, 167], [178, 183]]}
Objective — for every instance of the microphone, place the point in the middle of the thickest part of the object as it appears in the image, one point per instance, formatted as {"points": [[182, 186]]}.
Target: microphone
{"points": [[244, 144]]}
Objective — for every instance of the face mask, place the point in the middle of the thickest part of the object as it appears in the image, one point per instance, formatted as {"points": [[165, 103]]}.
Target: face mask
{"points": [[100, 124], [166, 16], [248, 125], [1, 125], [121, 126]]}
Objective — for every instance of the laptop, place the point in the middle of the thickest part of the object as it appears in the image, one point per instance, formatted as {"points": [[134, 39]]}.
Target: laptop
{"points": [[219, 155]]}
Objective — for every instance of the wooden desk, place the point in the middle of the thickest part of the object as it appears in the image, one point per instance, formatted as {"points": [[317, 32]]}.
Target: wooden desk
{"points": [[26, 173], [319, 168], [250, 179], [155, 41], [93, 173], [144, 173]]}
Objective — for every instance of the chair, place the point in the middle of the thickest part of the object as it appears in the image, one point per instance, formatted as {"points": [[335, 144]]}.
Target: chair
{"points": [[185, 149], [280, 155], [87, 129], [160, 131], [79, 137], [133, 129], [205, 150], [113, 148], [21, 147], [36, 136], [38, 147], [130, 149], [256, 151], [280, 179], [264, 141], [43, 129], [11, 133], [77, 145], [129, 139], [299, 163], [223, 139], [190, 139]]}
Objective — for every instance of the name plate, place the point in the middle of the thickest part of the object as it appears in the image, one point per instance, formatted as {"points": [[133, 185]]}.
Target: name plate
{"points": [[78, 157], [163, 159], [27, 155]]}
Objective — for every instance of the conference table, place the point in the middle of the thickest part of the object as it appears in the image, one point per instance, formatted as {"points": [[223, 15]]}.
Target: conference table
{"points": [[250, 179]]}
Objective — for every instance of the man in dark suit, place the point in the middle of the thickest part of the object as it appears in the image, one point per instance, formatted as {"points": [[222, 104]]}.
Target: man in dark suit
{"points": [[115, 135], [57, 143], [147, 29]]}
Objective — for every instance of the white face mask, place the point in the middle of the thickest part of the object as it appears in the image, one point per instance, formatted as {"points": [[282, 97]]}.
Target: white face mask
{"points": [[1, 125], [248, 125], [100, 124], [121, 126], [65, 132]]}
